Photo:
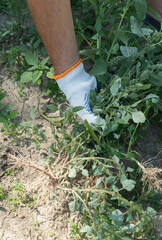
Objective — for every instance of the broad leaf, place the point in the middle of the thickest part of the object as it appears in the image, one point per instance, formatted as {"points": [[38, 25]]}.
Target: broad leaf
{"points": [[138, 117], [72, 173], [36, 75], [154, 13], [130, 228], [52, 107], [77, 109], [155, 79], [31, 59], [94, 203], [26, 77], [44, 61], [146, 31], [128, 51], [115, 87], [128, 184], [135, 28], [141, 8], [32, 113], [98, 24], [100, 67], [85, 172], [87, 229], [112, 127], [87, 52], [13, 114], [151, 211], [73, 206], [116, 215], [99, 181]]}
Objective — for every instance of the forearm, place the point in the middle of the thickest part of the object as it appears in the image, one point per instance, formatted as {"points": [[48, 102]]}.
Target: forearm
{"points": [[54, 23]]}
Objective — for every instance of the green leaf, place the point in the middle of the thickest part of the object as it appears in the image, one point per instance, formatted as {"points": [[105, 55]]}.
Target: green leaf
{"points": [[115, 87], [73, 225], [92, 133], [130, 169], [100, 67], [36, 75], [44, 61], [153, 12], [145, 75], [77, 109], [128, 51], [99, 181], [112, 127], [155, 80], [135, 28], [111, 179], [31, 59], [50, 73], [136, 103], [26, 77], [32, 113], [130, 228], [25, 124], [151, 211], [13, 114], [87, 52], [2, 120], [115, 48], [35, 67], [85, 172], [87, 229], [52, 107], [141, 8], [116, 216], [73, 206], [122, 37], [115, 158], [146, 31], [98, 171], [72, 173], [1, 96], [150, 95], [94, 203], [98, 24], [138, 117], [128, 184]]}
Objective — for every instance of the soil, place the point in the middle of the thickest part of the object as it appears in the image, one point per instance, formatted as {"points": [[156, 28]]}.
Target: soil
{"points": [[48, 218]]}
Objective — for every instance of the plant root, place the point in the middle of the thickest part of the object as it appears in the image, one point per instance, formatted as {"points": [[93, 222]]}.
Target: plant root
{"points": [[151, 177]]}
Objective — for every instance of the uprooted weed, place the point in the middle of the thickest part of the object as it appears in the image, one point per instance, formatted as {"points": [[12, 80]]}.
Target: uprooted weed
{"points": [[86, 162]]}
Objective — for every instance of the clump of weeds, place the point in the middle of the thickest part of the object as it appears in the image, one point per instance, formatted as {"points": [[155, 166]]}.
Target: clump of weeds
{"points": [[89, 163]]}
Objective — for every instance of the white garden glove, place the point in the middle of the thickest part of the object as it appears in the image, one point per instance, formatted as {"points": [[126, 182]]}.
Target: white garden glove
{"points": [[76, 84]]}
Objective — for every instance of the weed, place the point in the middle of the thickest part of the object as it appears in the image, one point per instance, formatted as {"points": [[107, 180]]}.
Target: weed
{"points": [[36, 224], [87, 163], [1, 193]]}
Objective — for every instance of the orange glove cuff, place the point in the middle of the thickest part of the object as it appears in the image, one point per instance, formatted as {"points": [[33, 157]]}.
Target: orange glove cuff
{"points": [[58, 76]]}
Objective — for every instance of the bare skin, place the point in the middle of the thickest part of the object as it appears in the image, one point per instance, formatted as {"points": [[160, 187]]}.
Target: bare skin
{"points": [[54, 23]]}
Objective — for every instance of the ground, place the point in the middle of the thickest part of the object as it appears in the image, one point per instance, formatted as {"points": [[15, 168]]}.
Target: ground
{"points": [[48, 217]]}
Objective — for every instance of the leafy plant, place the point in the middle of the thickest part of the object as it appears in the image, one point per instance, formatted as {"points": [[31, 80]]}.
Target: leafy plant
{"points": [[1, 193], [125, 56]]}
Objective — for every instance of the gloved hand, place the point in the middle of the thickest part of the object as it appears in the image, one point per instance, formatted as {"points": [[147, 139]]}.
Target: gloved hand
{"points": [[76, 84]]}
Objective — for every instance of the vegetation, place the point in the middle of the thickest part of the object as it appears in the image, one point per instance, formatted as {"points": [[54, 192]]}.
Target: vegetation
{"points": [[125, 56]]}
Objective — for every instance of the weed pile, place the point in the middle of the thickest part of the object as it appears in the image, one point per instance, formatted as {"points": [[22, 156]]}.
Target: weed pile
{"points": [[90, 163]]}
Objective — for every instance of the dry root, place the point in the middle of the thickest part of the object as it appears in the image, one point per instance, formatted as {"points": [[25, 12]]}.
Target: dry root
{"points": [[151, 176]]}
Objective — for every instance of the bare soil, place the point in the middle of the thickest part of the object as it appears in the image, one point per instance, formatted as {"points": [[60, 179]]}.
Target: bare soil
{"points": [[50, 217]]}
